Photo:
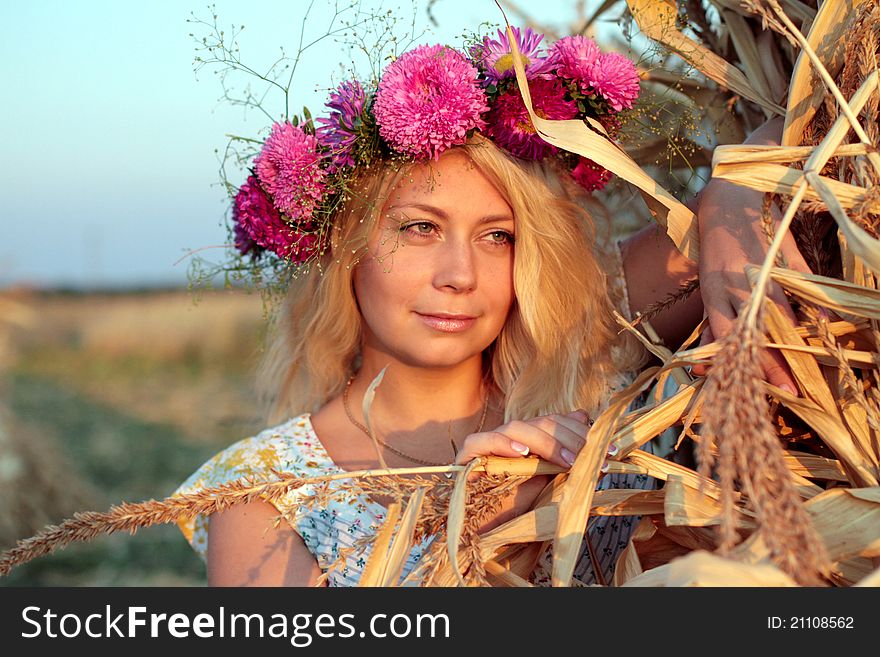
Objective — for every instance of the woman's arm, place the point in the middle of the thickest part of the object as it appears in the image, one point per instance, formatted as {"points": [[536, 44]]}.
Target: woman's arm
{"points": [[654, 269], [731, 236], [245, 548]]}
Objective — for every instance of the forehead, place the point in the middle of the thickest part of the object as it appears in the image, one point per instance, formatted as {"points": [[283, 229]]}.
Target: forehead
{"points": [[453, 183]]}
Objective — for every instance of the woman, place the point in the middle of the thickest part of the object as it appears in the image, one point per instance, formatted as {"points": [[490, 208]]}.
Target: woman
{"points": [[473, 281]]}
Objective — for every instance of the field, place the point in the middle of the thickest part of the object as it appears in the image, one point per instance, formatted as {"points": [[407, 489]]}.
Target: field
{"points": [[112, 397]]}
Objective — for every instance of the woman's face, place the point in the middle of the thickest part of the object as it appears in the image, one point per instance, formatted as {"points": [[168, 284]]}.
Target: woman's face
{"points": [[437, 285]]}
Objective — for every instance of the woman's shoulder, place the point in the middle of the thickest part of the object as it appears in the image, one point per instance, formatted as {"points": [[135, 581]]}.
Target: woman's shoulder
{"points": [[290, 448]]}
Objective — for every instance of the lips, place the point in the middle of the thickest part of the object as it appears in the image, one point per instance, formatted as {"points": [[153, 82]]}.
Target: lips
{"points": [[447, 323]]}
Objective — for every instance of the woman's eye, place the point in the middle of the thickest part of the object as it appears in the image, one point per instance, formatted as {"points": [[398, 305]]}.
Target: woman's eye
{"points": [[501, 237], [421, 228]]}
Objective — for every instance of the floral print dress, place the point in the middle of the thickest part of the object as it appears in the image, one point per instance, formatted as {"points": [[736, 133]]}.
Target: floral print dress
{"points": [[335, 532]]}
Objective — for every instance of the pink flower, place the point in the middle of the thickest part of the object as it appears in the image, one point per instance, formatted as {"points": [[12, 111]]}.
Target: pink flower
{"points": [[615, 78], [590, 175], [428, 100], [509, 125], [495, 59], [259, 224], [610, 75], [575, 57], [289, 170]]}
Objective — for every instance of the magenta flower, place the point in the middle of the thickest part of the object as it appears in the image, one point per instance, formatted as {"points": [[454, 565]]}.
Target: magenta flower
{"points": [[428, 100], [242, 239], [495, 59], [575, 57], [338, 133], [615, 78], [259, 224], [590, 175], [509, 125], [289, 170]]}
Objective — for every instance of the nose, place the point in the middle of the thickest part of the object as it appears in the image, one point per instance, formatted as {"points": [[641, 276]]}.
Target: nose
{"points": [[455, 266]]}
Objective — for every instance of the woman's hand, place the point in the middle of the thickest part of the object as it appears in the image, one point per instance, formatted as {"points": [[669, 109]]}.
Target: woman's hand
{"points": [[555, 438], [732, 236]]}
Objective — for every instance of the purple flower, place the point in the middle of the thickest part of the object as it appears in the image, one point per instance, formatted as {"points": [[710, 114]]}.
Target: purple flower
{"points": [[495, 59], [509, 125], [428, 100], [615, 78], [259, 224], [289, 170], [339, 132], [574, 57]]}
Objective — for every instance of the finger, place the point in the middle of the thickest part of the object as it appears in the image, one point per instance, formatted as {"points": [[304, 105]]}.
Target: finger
{"points": [[701, 369], [489, 443], [571, 429], [539, 442], [793, 255], [776, 371]]}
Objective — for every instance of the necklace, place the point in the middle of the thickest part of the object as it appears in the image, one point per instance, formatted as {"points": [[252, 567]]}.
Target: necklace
{"points": [[393, 449]]}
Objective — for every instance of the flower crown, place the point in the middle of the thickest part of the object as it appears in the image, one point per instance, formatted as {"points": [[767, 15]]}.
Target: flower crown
{"points": [[428, 100]]}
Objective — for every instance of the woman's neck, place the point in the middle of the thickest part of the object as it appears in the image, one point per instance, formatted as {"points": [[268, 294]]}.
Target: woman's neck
{"points": [[410, 397]]}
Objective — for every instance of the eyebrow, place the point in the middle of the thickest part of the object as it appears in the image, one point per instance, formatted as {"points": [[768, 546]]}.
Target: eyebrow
{"points": [[441, 214]]}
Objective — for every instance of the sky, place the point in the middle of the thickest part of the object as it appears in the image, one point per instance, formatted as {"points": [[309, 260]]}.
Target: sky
{"points": [[109, 174]]}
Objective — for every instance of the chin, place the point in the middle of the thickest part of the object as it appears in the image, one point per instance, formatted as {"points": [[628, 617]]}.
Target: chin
{"points": [[438, 357]]}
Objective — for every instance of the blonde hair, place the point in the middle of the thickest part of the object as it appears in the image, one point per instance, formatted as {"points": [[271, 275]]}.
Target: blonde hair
{"points": [[553, 353]]}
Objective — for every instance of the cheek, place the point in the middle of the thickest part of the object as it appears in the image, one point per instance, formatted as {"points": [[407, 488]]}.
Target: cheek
{"points": [[379, 289], [501, 287]]}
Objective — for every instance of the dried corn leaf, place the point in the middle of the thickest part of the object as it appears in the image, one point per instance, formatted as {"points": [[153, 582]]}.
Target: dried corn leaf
{"points": [[748, 153], [660, 468], [402, 544], [803, 366], [501, 576], [835, 435], [577, 494], [369, 395], [778, 179], [872, 580], [656, 20], [848, 520], [687, 506], [374, 571], [830, 293], [823, 354], [627, 502], [537, 525], [702, 568], [634, 434], [814, 467]]}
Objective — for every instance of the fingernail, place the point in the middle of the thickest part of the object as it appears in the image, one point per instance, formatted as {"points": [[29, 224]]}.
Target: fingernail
{"points": [[519, 447], [790, 390], [604, 467], [613, 449], [568, 456]]}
